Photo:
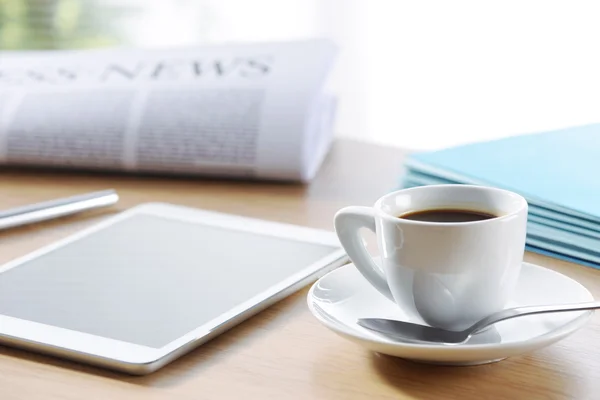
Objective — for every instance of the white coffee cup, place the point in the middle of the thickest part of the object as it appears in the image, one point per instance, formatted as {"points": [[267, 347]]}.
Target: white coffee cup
{"points": [[459, 271]]}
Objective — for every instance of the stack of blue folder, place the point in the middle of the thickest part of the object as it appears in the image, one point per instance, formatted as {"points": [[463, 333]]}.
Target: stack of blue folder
{"points": [[557, 172]]}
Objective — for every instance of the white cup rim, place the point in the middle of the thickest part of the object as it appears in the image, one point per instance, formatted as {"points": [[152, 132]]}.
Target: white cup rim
{"points": [[521, 200]]}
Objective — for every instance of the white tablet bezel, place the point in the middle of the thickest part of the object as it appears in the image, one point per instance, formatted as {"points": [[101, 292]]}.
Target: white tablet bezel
{"points": [[135, 358]]}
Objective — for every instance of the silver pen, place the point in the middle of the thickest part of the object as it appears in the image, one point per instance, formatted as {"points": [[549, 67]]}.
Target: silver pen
{"points": [[52, 209]]}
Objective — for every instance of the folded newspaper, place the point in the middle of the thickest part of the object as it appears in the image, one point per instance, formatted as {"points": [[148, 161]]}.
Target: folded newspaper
{"points": [[250, 111]]}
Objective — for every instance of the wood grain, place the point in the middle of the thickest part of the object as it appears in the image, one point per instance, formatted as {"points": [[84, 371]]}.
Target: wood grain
{"points": [[283, 352]]}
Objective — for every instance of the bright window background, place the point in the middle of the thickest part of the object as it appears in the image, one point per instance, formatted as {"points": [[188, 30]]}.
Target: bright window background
{"points": [[417, 74]]}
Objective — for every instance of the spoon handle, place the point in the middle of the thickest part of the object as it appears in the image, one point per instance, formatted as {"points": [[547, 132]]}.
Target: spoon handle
{"points": [[531, 310]]}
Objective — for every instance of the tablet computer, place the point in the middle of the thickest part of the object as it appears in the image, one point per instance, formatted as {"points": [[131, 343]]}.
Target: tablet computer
{"points": [[140, 289]]}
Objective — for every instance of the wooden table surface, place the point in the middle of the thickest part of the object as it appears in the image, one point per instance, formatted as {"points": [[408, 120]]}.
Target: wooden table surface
{"points": [[283, 352]]}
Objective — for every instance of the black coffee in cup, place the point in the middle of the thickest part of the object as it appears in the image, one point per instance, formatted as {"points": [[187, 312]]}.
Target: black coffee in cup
{"points": [[447, 215]]}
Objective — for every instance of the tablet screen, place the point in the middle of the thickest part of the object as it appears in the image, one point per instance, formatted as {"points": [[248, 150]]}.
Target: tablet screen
{"points": [[149, 280]]}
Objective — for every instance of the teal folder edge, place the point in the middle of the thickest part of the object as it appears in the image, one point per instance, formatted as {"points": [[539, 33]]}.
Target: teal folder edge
{"points": [[564, 178], [561, 220], [535, 249]]}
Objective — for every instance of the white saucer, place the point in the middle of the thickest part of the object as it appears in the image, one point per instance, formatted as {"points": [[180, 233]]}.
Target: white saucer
{"points": [[339, 298]]}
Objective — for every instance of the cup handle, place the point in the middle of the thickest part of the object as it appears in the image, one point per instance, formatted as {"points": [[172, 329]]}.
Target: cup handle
{"points": [[348, 222]]}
